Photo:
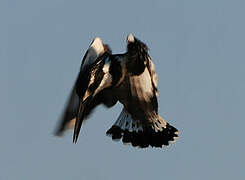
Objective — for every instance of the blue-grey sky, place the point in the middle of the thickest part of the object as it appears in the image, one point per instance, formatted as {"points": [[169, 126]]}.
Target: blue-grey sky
{"points": [[199, 51]]}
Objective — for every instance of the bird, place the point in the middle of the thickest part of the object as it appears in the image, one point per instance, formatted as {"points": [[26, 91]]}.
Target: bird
{"points": [[130, 79]]}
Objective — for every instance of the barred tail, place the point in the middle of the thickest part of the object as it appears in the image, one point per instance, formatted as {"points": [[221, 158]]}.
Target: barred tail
{"points": [[134, 132]]}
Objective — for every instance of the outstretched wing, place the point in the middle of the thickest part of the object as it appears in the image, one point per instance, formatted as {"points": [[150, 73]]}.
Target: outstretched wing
{"points": [[68, 117], [95, 83]]}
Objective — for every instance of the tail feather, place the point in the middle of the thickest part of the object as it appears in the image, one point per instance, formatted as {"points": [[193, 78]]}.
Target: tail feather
{"points": [[132, 131]]}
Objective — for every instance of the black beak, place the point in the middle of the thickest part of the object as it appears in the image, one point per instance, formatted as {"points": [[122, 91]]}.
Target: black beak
{"points": [[80, 117]]}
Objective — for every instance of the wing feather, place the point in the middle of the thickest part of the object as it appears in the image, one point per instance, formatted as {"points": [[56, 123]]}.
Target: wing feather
{"points": [[99, 83], [144, 91], [142, 103], [68, 117]]}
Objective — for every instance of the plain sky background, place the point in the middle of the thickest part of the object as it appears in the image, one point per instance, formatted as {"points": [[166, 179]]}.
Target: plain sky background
{"points": [[199, 51]]}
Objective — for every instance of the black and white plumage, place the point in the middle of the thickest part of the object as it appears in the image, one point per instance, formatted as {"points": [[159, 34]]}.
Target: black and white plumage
{"points": [[90, 61], [129, 78]]}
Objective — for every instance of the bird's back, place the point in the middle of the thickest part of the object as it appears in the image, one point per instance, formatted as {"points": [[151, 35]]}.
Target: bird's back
{"points": [[138, 97]]}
